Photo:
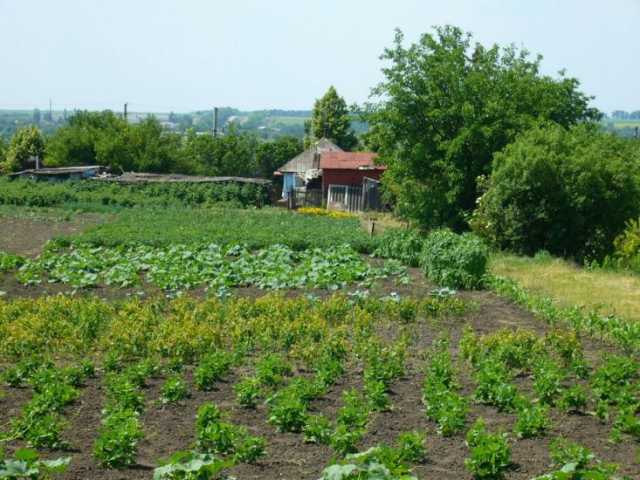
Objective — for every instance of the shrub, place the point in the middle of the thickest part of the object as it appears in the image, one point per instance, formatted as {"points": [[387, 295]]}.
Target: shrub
{"points": [[455, 261], [626, 248], [569, 192], [402, 244]]}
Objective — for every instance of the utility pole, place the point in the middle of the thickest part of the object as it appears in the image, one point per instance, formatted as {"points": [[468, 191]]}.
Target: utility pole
{"points": [[215, 122], [637, 133], [50, 110], [126, 105]]}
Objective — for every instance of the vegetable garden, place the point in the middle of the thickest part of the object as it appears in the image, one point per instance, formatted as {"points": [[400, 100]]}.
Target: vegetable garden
{"points": [[319, 376]]}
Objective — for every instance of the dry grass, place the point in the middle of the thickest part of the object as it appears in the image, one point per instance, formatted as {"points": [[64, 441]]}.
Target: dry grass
{"points": [[568, 284]]}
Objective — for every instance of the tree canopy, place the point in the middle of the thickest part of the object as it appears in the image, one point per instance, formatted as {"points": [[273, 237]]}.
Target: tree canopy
{"points": [[26, 143], [446, 105], [566, 191], [104, 138], [330, 119]]}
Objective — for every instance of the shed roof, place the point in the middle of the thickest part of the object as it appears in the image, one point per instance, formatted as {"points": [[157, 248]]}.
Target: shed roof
{"points": [[308, 159], [58, 170], [350, 161]]}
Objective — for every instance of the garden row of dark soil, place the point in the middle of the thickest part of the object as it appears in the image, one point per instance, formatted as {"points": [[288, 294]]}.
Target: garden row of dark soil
{"points": [[171, 428]]}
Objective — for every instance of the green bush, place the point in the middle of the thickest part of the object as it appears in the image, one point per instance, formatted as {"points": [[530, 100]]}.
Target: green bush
{"points": [[567, 191], [93, 195], [455, 261], [402, 244], [626, 252]]}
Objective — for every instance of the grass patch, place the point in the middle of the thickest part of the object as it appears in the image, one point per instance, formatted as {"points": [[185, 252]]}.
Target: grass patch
{"points": [[612, 293], [253, 228]]}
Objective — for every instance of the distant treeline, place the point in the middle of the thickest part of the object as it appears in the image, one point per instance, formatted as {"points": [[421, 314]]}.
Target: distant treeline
{"points": [[622, 115], [104, 138]]}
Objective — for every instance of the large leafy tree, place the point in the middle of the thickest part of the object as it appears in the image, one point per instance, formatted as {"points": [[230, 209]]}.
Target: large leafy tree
{"points": [[445, 106], [27, 142], [567, 191], [272, 155], [330, 119]]}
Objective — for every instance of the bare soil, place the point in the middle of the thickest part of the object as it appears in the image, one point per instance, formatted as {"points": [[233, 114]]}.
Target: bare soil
{"points": [[26, 236]]}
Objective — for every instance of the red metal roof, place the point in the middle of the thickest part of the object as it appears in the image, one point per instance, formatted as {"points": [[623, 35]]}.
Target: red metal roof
{"points": [[349, 161]]}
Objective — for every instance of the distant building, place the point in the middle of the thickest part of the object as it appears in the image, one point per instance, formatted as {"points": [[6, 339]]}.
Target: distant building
{"points": [[324, 164], [61, 173]]}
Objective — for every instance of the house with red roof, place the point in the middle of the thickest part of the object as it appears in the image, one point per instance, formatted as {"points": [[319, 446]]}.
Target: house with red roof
{"points": [[348, 168], [324, 164]]}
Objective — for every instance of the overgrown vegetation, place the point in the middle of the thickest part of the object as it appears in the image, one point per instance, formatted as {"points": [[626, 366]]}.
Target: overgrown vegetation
{"points": [[568, 192], [96, 195]]}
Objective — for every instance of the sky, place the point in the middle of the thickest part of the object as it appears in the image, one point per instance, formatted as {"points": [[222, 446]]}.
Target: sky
{"points": [[183, 55]]}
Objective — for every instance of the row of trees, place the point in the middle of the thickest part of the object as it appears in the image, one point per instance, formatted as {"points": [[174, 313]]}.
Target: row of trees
{"points": [[104, 138], [623, 115], [461, 126]]}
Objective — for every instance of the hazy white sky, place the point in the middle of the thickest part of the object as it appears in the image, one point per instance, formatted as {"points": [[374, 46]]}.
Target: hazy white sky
{"points": [[163, 55]]}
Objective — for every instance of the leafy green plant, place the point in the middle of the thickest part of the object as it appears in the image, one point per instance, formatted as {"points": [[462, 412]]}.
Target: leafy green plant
{"points": [[174, 390], [377, 463], [116, 445], [443, 403], [495, 387], [547, 380], [27, 464], [211, 369], [455, 261], [217, 436], [345, 439], [190, 466], [317, 429], [271, 369], [411, 447], [123, 394], [248, 392], [402, 244], [573, 400], [576, 462], [40, 429], [287, 412], [533, 419], [490, 452]]}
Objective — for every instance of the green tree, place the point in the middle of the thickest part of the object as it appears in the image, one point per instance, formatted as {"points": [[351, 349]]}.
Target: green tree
{"points": [[3, 150], [330, 119], [27, 142], [231, 154], [272, 155], [446, 106], [77, 143], [567, 191]]}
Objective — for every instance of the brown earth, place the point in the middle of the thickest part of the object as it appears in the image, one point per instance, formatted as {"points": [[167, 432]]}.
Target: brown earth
{"points": [[26, 236], [171, 428]]}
